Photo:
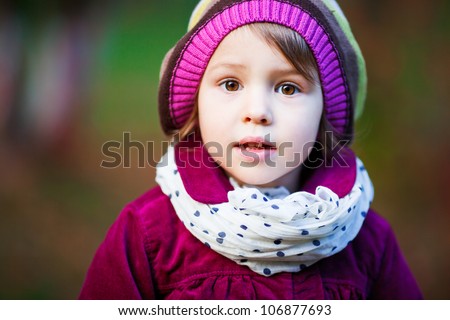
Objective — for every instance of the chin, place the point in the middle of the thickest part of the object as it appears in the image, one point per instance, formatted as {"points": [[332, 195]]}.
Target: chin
{"points": [[257, 180], [264, 177]]}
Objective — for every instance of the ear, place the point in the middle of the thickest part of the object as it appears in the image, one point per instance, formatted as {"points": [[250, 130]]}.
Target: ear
{"points": [[165, 62]]}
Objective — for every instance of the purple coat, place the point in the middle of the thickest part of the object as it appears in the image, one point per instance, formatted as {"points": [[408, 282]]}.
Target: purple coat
{"points": [[149, 254]]}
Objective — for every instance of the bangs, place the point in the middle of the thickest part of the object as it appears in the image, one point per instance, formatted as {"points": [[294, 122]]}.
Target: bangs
{"points": [[291, 45]]}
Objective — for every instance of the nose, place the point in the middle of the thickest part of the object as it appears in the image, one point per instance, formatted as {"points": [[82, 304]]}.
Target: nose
{"points": [[257, 109]]}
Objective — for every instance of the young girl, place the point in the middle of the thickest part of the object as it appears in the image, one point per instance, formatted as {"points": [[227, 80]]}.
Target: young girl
{"points": [[259, 196]]}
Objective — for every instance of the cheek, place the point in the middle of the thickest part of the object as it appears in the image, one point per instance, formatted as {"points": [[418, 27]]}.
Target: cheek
{"points": [[299, 131], [215, 117], [206, 117], [300, 123], [211, 123]]}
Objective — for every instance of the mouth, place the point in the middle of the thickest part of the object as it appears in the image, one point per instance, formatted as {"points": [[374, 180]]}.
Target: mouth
{"points": [[254, 144]]}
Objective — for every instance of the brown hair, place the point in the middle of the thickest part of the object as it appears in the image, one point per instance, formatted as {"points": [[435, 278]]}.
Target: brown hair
{"points": [[296, 51]]}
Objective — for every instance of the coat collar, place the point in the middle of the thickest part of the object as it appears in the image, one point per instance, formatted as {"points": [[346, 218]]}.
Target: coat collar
{"points": [[207, 183]]}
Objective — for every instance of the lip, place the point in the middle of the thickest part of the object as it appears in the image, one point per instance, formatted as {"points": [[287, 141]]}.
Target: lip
{"points": [[255, 149], [257, 141]]}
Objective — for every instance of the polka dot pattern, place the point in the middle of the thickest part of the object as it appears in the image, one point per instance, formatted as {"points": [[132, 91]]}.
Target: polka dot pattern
{"points": [[270, 230]]}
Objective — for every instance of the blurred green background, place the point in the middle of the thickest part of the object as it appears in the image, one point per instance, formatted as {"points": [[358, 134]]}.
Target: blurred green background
{"points": [[74, 75]]}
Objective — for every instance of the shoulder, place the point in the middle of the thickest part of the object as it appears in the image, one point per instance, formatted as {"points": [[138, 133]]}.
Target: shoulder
{"points": [[380, 252], [136, 213], [375, 248], [374, 232], [361, 259], [151, 198], [361, 262], [152, 211], [143, 214], [371, 242], [121, 267], [151, 208], [375, 225]]}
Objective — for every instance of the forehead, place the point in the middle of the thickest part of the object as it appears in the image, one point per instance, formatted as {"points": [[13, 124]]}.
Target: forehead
{"points": [[246, 45]]}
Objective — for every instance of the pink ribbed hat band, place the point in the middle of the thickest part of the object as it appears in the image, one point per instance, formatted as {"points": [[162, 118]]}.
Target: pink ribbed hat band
{"points": [[198, 51]]}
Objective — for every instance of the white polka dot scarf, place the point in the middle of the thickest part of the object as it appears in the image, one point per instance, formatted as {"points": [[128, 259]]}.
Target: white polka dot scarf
{"points": [[268, 229]]}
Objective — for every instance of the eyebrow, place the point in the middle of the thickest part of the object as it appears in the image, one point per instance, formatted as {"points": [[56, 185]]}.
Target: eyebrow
{"points": [[287, 72], [282, 72], [228, 65]]}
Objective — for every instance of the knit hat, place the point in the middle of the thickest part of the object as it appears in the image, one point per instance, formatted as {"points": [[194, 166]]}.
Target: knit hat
{"points": [[321, 23]]}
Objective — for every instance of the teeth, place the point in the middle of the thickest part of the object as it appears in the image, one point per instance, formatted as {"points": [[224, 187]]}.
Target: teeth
{"points": [[253, 145]]}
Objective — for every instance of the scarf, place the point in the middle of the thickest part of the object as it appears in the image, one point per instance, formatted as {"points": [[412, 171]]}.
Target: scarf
{"points": [[271, 230]]}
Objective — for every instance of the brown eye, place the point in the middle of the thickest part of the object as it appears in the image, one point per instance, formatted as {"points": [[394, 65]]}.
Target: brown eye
{"points": [[288, 89], [231, 85]]}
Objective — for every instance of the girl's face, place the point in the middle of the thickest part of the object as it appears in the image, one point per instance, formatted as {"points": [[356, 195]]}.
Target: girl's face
{"points": [[258, 116]]}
